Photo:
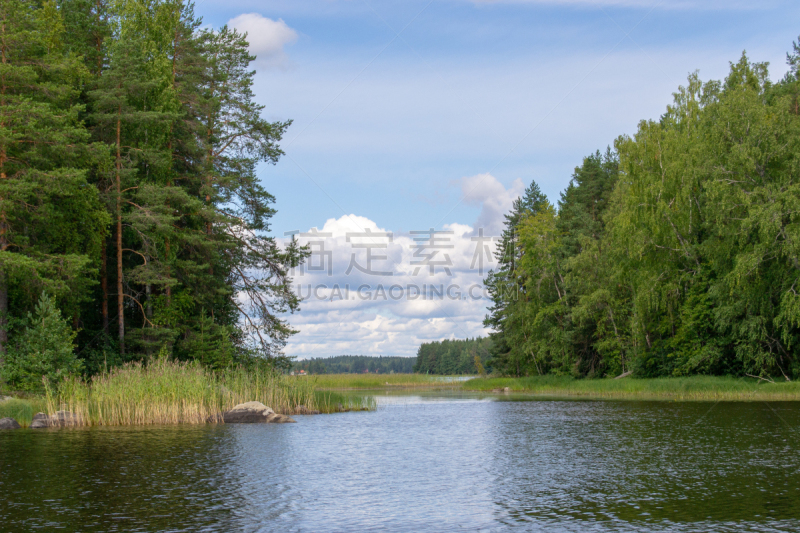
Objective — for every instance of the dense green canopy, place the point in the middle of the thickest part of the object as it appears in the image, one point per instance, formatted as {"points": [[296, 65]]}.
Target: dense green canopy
{"points": [[129, 144], [676, 253]]}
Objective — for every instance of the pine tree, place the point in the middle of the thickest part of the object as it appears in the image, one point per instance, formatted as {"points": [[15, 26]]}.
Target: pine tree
{"points": [[132, 119], [503, 284], [41, 348], [180, 224], [235, 139], [51, 222]]}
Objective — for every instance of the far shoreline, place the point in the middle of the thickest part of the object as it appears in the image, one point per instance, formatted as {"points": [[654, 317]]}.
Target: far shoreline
{"points": [[688, 388]]}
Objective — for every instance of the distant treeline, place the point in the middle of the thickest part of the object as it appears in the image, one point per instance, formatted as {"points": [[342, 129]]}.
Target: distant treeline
{"points": [[356, 364], [453, 356]]}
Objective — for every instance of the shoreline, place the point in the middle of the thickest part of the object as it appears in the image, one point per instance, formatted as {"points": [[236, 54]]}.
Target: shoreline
{"points": [[326, 393], [693, 388], [689, 388]]}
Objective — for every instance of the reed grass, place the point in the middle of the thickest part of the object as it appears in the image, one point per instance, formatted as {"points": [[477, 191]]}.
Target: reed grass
{"points": [[167, 392], [375, 381], [332, 402], [682, 388]]}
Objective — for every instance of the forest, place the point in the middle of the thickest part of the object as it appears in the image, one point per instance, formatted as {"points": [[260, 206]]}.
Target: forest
{"points": [[132, 216], [676, 252], [356, 364], [458, 356]]}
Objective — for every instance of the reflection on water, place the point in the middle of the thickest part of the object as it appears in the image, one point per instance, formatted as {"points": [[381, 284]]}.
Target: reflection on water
{"points": [[427, 462]]}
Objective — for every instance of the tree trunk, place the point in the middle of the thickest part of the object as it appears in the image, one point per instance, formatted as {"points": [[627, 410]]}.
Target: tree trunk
{"points": [[104, 248], [3, 220], [120, 295], [168, 287], [3, 314], [148, 308], [209, 179], [104, 285]]}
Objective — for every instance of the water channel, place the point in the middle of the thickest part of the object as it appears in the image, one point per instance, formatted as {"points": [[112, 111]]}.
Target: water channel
{"points": [[433, 461]]}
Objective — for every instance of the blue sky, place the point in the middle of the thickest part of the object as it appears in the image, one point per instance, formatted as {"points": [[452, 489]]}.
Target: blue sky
{"points": [[415, 114]]}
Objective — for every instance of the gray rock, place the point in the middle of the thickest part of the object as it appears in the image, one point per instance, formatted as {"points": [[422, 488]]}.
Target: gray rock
{"points": [[303, 410], [8, 423], [64, 418], [40, 420], [60, 419], [5, 398], [253, 413], [280, 419]]}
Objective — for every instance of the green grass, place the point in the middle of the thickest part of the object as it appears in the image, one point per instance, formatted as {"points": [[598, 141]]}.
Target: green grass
{"points": [[333, 402], [22, 409], [683, 388], [374, 381], [170, 392]]}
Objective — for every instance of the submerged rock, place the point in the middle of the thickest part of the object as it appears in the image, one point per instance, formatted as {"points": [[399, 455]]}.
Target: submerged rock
{"points": [[9, 423], [303, 410], [59, 419], [253, 413]]}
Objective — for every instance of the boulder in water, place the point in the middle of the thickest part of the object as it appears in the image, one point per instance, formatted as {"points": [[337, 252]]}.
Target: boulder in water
{"points": [[9, 423], [40, 420], [59, 419], [253, 413]]}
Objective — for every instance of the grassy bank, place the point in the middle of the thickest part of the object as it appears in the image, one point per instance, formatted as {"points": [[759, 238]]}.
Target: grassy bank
{"points": [[169, 392], [376, 381], [22, 410], [684, 388]]}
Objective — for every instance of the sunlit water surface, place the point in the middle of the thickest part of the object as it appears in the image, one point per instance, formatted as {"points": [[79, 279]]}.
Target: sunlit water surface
{"points": [[433, 462]]}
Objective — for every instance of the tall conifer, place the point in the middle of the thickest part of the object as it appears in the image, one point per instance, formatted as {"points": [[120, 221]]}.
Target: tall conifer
{"points": [[51, 223]]}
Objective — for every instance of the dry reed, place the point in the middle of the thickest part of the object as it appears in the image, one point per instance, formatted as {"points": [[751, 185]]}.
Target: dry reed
{"points": [[171, 392]]}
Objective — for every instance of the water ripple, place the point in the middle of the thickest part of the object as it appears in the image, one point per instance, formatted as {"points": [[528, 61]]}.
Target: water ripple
{"points": [[420, 463]]}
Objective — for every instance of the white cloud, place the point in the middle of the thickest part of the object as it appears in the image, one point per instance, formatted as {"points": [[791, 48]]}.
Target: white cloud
{"points": [[392, 313], [267, 37], [495, 200]]}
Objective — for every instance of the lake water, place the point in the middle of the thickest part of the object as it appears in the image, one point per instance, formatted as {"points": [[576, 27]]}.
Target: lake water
{"points": [[432, 462]]}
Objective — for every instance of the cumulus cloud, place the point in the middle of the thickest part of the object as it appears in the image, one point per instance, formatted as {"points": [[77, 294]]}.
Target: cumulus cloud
{"points": [[495, 200], [369, 290], [267, 37]]}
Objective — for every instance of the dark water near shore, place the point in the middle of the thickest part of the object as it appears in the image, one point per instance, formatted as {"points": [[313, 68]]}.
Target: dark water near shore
{"points": [[421, 463]]}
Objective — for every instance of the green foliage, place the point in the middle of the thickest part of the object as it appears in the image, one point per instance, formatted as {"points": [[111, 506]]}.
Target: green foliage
{"points": [[129, 142], [41, 349], [677, 253], [209, 343], [51, 220]]}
